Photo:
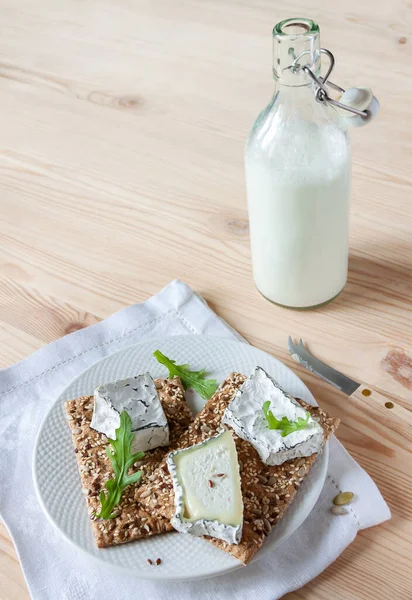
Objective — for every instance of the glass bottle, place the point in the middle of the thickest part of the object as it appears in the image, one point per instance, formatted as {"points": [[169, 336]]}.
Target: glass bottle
{"points": [[298, 169]]}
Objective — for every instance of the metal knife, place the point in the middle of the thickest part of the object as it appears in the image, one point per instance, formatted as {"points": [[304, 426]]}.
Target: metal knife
{"points": [[369, 401]]}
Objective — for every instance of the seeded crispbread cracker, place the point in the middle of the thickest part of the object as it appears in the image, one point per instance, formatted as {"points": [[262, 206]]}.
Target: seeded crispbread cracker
{"points": [[133, 521], [267, 491]]}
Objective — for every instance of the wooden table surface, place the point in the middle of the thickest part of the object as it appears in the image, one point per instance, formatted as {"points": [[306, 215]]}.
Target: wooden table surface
{"points": [[122, 133]]}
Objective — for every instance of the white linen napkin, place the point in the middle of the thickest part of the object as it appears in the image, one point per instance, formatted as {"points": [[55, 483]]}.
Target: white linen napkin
{"points": [[56, 571]]}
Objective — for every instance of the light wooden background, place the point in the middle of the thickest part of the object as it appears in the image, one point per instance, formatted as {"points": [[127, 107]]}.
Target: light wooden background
{"points": [[122, 132]]}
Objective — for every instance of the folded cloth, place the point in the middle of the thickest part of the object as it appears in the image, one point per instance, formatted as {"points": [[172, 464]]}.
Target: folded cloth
{"points": [[54, 570]]}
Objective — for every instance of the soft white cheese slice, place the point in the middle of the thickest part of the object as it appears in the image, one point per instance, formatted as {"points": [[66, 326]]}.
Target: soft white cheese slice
{"points": [[139, 398], [206, 483], [245, 416]]}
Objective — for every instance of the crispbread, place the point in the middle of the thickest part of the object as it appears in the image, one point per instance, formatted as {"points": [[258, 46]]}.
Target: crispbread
{"points": [[267, 491], [133, 521]]}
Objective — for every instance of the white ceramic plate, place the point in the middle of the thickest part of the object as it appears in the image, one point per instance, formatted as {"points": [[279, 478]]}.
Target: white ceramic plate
{"points": [[57, 480]]}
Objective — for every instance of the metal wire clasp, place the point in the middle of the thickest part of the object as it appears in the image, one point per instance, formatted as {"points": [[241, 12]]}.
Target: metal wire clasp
{"points": [[321, 83]]}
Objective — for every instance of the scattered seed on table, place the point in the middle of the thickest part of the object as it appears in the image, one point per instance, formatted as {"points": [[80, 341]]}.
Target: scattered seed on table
{"points": [[338, 510], [343, 498], [149, 561], [158, 561]]}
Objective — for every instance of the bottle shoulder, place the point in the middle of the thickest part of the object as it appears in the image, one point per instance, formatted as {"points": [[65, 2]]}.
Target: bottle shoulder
{"points": [[298, 142], [292, 125]]}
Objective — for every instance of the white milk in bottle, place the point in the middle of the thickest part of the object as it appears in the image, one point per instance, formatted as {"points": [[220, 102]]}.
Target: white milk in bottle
{"points": [[297, 164]]}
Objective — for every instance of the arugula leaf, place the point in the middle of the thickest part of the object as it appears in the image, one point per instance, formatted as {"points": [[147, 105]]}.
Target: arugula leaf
{"points": [[190, 379], [121, 459], [287, 427]]}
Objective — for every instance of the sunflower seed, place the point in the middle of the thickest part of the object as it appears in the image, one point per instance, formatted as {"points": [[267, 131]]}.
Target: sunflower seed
{"points": [[343, 498], [205, 428], [145, 494], [76, 431], [338, 510], [262, 479], [302, 471], [267, 526], [272, 480], [300, 462]]}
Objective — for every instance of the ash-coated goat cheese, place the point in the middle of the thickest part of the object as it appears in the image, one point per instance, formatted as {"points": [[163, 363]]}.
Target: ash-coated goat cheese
{"points": [[207, 488], [246, 417], [139, 398]]}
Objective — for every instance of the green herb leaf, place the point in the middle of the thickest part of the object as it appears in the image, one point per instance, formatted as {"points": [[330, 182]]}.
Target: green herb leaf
{"points": [[287, 427], [190, 379], [121, 459]]}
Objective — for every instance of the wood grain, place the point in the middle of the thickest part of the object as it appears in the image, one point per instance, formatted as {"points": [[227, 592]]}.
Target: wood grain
{"points": [[121, 167]]}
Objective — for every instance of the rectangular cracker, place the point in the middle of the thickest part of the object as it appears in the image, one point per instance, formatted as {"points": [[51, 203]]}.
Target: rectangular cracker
{"points": [[267, 491], [133, 521]]}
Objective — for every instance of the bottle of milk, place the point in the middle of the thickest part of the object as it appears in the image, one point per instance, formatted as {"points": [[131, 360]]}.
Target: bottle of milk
{"points": [[298, 170]]}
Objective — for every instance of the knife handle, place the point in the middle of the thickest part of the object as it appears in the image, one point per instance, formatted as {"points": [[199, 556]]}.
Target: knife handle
{"points": [[382, 409]]}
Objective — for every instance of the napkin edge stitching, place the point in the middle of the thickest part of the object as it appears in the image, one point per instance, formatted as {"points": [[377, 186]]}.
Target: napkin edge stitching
{"points": [[348, 507], [107, 343], [185, 322]]}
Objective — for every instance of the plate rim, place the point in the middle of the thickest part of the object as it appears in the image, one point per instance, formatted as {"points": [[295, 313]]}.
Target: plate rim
{"points": [[117, 567]]}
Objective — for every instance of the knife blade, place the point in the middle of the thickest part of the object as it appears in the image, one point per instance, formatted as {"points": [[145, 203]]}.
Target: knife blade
{"points": [[339, 380], [376, 406]]}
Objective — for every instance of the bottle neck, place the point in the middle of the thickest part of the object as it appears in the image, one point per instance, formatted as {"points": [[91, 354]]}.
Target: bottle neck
{"points": [[296, 44]]}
